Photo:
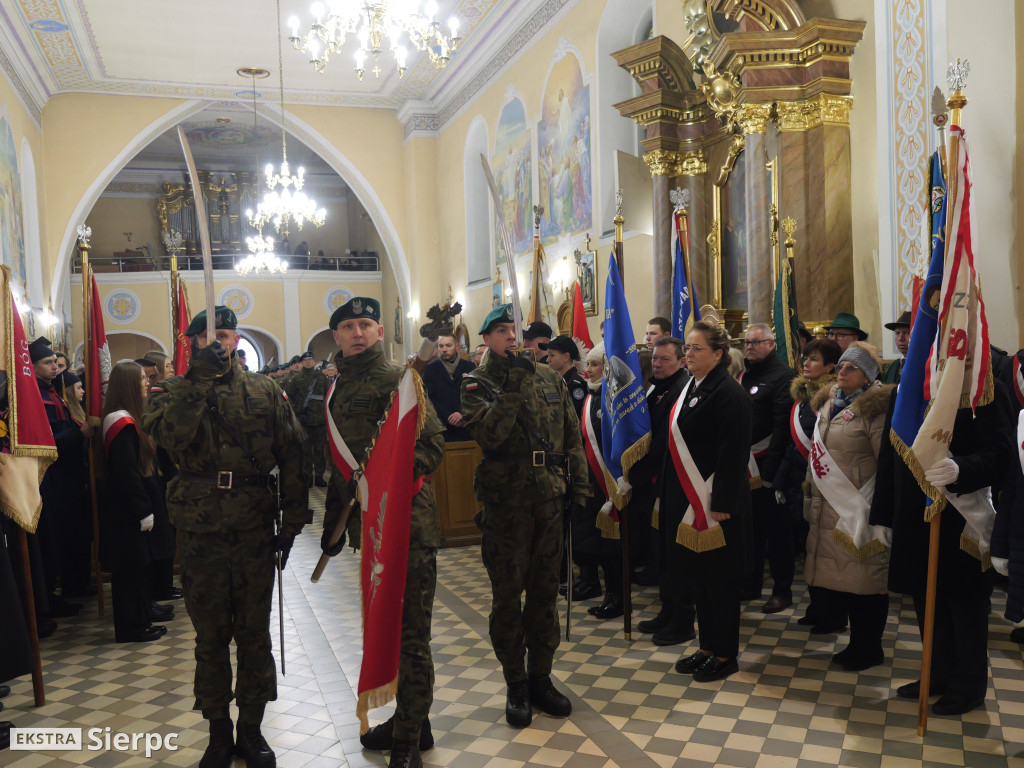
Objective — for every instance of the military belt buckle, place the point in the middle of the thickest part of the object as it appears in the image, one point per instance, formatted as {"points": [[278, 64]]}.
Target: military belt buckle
{"points": [[224, 481], [538, 458]]}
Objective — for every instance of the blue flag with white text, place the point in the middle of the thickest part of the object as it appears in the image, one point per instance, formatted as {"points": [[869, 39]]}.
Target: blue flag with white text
{"points": [[685, 309], [625, 422]]}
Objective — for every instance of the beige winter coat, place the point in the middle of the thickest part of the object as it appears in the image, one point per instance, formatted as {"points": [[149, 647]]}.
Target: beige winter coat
{"points": [[854, 444]]}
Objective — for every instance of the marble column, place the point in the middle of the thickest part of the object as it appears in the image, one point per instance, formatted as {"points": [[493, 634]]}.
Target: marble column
{"points": [[662, 247], [698, 240], [757, 236]]}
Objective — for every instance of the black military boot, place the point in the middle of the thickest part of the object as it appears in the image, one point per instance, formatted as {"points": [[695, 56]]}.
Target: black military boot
{"points": [[381, 737], [253, 748], [544, 694], [405, 754], [518, 712], [220, 753]]}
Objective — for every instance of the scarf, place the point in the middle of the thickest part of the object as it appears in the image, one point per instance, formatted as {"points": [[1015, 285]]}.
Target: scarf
{"points": [[843, 401], [450, 367]]}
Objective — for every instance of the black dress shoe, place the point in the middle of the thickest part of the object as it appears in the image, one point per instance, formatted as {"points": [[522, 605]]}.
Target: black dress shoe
{"points": [[715, 669], [854, 662], [913, 690], [828, 629], [689, 663], [152, 632], [321, 483], [61, 608], [807, 621], [656, 624], [1017, 635], [220, 752], [544, 694], [674, 633], [381, 737], [518, 713], [583, 590], [406, 754], [45, 627], [776, 604], [645, 578], [953, 703], [5, 691], [253, 748], [611, 608], [5, 734], [172, 594], [160, 612]]}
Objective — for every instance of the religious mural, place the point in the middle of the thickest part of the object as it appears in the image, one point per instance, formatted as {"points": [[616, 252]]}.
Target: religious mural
{"points": [[563, 148], [12, 233], [512, 165]]}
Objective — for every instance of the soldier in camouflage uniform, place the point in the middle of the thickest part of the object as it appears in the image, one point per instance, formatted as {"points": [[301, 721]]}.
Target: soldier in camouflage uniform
{"points": [[523, 419], [226, 429], [363, 389], [291, 369], [306, 391]]}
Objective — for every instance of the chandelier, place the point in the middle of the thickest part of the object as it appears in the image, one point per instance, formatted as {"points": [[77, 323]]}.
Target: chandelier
{"points": [[285, 203], [262, 258], [372, 21]]}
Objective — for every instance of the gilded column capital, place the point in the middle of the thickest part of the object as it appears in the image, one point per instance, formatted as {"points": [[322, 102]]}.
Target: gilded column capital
{"points": [[753, 118], [663, 162], [691, 163], [660, 161], [823, 109]]}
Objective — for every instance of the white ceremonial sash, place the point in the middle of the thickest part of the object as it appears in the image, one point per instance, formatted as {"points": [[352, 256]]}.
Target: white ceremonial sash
{"points": [[758, 449], [852, 504], [698, 531], [979, 514], [340, 452], [112, 425], [800, 438], [607, 520]]}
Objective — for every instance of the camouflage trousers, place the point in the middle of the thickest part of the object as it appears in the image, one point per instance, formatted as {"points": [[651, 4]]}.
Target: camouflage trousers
{"points": [[314, 460], [227, 578], [415, 664], [521, 548]]}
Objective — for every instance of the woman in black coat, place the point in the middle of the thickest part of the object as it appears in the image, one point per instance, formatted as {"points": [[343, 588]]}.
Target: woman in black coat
{"points": [[132, 498], [710, 437], [1008, 536]]}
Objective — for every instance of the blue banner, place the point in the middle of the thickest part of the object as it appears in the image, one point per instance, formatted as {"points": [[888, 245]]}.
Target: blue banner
{"points": [[685, 310], [908, 413], [626, 422]]}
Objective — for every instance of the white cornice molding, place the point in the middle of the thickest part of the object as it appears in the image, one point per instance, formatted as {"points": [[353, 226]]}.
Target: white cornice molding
{"points": [[31, 91], [229, 275]]}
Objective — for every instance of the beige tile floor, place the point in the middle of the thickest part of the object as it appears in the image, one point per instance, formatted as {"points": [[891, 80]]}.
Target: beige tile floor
{"points": [[786, 707]]}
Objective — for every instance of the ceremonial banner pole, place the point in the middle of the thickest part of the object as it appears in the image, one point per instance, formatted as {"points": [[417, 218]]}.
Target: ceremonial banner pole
{"points": [[204, 236], [956, 103], [84, 234], [30, 618], [624, 513], [618, 221]]}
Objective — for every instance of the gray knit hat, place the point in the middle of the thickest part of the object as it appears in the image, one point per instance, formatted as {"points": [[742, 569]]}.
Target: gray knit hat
{"points": [[861, 356]]}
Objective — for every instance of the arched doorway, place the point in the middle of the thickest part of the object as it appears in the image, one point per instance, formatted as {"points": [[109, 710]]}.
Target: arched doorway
{"points": [[131, 345], [266, 347], [322, 345]]}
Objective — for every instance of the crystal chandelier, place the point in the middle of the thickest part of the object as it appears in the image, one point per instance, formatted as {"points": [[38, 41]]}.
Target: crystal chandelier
{"points": [[372, 21], [262, 258], [285, 203]]}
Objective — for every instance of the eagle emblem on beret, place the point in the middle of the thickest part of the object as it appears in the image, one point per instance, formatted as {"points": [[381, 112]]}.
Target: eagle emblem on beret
{"points": [[508, 311], [357, 306]]}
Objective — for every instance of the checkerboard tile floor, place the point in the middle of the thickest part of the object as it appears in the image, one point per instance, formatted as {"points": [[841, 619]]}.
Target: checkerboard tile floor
{"points": [[787, 707]]}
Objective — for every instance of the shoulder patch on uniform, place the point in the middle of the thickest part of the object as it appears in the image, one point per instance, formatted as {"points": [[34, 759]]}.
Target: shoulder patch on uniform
{"points": [[578, 393], [156, 389], [284, 394], [472, 386]]}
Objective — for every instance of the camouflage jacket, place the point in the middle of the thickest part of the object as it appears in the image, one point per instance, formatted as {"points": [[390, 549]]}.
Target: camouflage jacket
{"points": [[362, 393], [505, 420], [298, 385], [178, 418]]}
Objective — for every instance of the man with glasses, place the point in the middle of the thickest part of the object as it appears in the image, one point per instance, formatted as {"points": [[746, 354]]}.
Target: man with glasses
{"points": [[845, 329], [766, 378]]}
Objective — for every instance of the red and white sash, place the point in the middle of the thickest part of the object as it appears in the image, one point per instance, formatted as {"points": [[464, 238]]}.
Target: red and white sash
{"points": [[698, 531], [113, 423], [1018, 380], [340, 452], [800, 438], [608, 518], [851, 504]]}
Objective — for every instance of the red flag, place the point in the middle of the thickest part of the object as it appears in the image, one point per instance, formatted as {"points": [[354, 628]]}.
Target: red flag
{"points": [[916, 286], [386, 490], [579, 319], [97, 364], [26, 442], [182, 350]]}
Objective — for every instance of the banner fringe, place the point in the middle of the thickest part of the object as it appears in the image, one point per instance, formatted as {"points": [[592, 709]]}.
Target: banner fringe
{"points": [[421, 402], [872, 548], [630, 456], [755, 483], [373, 698], [972, 548], [907, 454], [700, 541], [609, 528]]}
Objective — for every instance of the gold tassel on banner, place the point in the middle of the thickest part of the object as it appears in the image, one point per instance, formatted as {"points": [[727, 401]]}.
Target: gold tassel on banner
{"points": [[938, 497], [700, 541], [608, 527], [372, 699], [972, 548]]}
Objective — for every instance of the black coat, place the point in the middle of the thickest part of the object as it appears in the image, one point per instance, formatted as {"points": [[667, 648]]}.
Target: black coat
{"points": [[65, 486], [1008, 536], [716, 428], [767, 382], [982, 447], [128, 497], [586, 536], [16, 658], [443, 392]]}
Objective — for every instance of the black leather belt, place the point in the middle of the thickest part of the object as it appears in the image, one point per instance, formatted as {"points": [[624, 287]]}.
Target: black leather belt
{"points": [[227, 480], [536, 459]]}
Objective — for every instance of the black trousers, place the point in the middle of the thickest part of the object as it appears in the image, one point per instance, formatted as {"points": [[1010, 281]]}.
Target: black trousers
{"points": [[131, 597], [772, 536], [960, 644], [162, 578], [868, 614], [716, 592], [826, 608]]}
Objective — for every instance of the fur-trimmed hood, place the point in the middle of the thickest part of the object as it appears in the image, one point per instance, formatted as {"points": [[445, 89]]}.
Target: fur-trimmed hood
{"points": [[874, 401], [803, 389]]}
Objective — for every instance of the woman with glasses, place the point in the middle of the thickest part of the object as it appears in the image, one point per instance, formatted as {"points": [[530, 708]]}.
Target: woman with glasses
{"points": [[848, 559], [706, 499]]}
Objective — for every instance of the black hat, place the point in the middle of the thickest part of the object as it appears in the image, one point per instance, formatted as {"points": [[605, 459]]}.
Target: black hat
{"points": [[801, 329], [307, 355], [224, 317], [40, 348], [69, 379], [562, 344], [537, 330], [902, 322], [357, 306]]}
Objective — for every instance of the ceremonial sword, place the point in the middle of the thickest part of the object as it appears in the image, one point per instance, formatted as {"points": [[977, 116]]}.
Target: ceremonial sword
{"points": [[506, 243]]}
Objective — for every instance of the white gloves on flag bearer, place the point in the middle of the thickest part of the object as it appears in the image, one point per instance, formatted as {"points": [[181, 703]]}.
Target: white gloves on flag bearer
{"points": [[942, 473], [146, 523]]}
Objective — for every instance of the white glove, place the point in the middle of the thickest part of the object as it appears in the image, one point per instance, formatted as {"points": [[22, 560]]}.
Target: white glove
{"points": [[146, 523], [1002, 565], [942, 473], [780, 497]]}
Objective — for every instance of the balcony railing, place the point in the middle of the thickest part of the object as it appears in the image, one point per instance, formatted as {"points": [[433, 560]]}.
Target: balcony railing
{"points": [[137, 261]]}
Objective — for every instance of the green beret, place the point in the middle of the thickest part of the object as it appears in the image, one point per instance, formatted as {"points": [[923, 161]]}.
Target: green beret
{"points": [[502, 314], [224, 317], [295, 360], [357, 306], [307, 355]]}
